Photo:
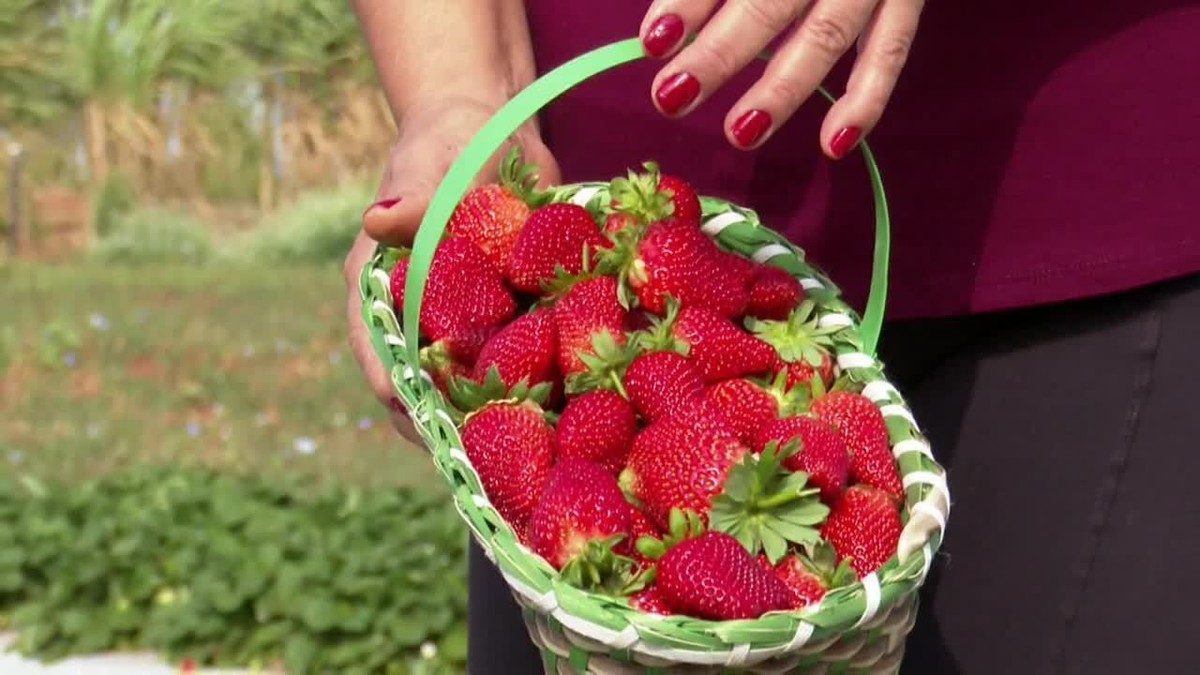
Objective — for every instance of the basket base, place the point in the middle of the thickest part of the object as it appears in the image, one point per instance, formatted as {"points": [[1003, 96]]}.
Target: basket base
{"points": [[876, 649]]}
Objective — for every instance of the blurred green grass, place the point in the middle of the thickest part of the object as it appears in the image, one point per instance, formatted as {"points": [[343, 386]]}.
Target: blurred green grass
{"points": [[229, 366]]}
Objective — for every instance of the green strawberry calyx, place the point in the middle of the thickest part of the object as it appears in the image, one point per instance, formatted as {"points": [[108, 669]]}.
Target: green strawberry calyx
{"points": [[598, 568], [799, 338], [638, 195], [768, 508], [521, 179], [606, 364], [682, 524], [469, 395], [822, 563]]}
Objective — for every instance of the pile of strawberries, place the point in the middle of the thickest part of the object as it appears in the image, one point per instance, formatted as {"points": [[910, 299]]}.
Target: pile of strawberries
{"points": [[658, 418]]}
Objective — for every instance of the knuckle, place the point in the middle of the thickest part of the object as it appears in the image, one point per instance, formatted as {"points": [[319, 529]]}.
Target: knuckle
{"points": [[716, 56], [786, 91], [774, 15], [893, 51], [830, 33]]}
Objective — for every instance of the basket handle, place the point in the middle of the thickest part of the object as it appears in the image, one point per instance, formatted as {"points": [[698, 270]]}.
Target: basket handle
{"points": [[528, 103]]}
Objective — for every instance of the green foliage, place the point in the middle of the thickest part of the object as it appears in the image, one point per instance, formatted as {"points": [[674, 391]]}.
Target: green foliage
{"points": [[318, 227], [156, 235], [235, 571], [114, 199]]}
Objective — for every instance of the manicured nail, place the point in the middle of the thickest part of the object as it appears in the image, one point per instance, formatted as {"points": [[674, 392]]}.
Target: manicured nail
{"points": [[396, 406], [750, 127], [384, 204], [662, 35], [844, 140], [676, 92]]}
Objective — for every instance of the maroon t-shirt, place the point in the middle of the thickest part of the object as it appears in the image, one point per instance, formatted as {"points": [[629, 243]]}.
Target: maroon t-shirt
{"points": [[1034, 151]]}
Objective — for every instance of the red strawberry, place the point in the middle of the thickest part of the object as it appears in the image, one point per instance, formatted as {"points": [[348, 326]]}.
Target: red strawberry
{"points": [[683, 198], [682, 262], [864, 526], [598, 426], [524, 351], [491, 216], [615, 223], [443, 370], [640, 526], [464, 291], [580, 504], [718, 347], [803, 373], [554, 241], [802, 344], [714, 577], [662, 383], [588, 309], [747, 406], [774, 293], [822, 453], [511, 446], [464, 347], [650, 197], [810, 579], [681, 461], [860, 423], [650, 601]]}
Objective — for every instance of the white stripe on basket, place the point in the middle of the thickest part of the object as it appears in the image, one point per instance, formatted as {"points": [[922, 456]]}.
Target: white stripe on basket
{"points": [[737, 656], [606, 636], [545, 603], [408, 373], [459, 455], [769, 251], [810, 284], [687, 656], [880, 390], [931, 511], [837, 320], [897, 410], [804, 633], [384, 277], [927, 549], [394, 340], [912, 445], [443, 414], [482, 502], [584, 195], [716, 224], [855, 360], [873, 595], [929, 478]]}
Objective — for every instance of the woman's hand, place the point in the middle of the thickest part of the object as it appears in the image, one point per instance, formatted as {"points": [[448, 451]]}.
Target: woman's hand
{"points": [[432, 135], [821, 32]]}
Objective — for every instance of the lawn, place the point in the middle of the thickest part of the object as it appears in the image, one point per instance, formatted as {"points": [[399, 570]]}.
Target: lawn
{"points": [[248, 370]]}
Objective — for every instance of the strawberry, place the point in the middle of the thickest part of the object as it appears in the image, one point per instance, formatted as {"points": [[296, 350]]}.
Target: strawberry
{"points": [[774, 293], [598, 426], [581, 507], [802, 344], [585, 311], [750, 405], [511, 446], [522, 353], [810, 579], [683, 198], [649, 197], [712, 576], [822, 453], [714, 343], [662, 383], [491, 216], [681, 461], [557, 239], [863, 527], [443, 370], [650, 601], [860, 423], [464, 292]]}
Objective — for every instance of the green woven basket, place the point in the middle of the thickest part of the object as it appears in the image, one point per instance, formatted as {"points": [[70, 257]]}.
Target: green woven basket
{"points": [[859, 629]]}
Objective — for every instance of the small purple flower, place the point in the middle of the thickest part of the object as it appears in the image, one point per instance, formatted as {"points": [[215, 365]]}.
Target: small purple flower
{"points": [[365, 423], [70, 358], [335, 358], [304, 446], [193, 429], [99, 322]]}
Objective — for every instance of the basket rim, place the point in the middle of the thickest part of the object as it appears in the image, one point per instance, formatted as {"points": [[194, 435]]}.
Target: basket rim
{"points": [[611, 622]]}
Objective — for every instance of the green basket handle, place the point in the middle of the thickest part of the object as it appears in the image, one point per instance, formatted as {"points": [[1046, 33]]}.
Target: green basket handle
{"points": [[528, 103]]}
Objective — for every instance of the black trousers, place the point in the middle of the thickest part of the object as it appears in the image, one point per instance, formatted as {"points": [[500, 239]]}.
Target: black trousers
{"points": [[1071, 436]]}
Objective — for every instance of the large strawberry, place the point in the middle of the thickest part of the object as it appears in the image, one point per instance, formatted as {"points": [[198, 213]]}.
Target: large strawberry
{"points": [[811, 578], [557, 240], [804, 347], [649, 197], [581, 508], [749, 404], [587, 316], [511, 446], [662, 383], [774, 293], [598, 426], [864, 527], [821, 454], [650, 600], [860, 423], [718, 347], [464, 291], [712, 576], [491, 216], [523, 353]]}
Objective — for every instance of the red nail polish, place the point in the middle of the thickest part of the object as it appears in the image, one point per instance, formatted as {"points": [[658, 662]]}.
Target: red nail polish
{"points": [[381, 204], [844, 140], [676, 92], [750, 127], [395, 404], [662, 35]]}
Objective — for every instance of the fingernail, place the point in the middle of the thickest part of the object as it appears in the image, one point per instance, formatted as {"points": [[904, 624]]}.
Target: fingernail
{"points": [[382, 204], [395, 404], [662, 35], [676, 92], [750, 127], [844, 140]]}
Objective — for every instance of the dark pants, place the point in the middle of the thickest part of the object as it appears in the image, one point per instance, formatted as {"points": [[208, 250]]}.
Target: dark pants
{"points": [[1071, 438]]}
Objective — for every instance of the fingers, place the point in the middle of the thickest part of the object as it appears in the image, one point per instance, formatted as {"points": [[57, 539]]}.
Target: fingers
{"points": [[667, 22], [882, 55], [733, 38], [826, 32], [404, 193]]}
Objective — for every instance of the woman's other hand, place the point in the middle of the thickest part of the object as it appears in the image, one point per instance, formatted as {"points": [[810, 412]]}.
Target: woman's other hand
{"points": [[820, 32], [432, 135]]}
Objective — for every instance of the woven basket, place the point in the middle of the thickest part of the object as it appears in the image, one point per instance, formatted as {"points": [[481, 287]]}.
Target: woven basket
{"points": [[860, 628]]}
